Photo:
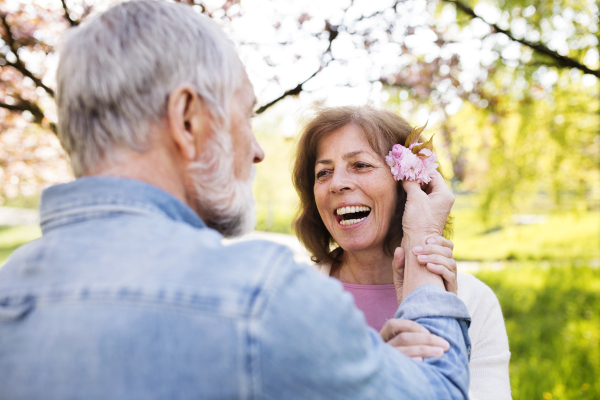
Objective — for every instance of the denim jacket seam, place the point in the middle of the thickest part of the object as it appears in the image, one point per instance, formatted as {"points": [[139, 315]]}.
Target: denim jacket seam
{"points": [[87, 202], [79, 297], [49, 220], [269, 280], [274, 263]]}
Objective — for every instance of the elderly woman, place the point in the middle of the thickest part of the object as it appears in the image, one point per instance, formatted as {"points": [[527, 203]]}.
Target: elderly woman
{"points": [[350, 220]]}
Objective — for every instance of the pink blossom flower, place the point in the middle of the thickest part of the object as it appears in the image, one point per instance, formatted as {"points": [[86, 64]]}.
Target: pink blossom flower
{"points": [[405, 165], [390, 161], [397, 151]]}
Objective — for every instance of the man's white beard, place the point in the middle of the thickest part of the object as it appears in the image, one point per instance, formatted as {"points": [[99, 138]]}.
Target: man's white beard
{"points": [[225, 204]]}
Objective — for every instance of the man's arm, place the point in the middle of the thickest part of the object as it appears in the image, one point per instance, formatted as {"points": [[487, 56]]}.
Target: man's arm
{"points": [[313, 343]]}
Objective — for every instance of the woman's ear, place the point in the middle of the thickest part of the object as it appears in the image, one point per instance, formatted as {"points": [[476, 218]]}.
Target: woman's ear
{"points": [[186, 117]]}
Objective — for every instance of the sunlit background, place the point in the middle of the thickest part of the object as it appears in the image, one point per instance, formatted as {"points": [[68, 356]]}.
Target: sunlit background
{"points": [[511, 89]]}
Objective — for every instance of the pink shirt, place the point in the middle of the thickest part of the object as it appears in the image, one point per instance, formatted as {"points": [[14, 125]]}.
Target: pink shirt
{"points": [[377, 302]]}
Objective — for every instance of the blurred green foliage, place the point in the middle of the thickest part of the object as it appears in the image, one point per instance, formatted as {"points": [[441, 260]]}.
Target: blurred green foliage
{"points": [[528, 142], [276, 199], [13, 237], [520, 147], [20, 201], [529, 126], [572, 237], [553, 328]]}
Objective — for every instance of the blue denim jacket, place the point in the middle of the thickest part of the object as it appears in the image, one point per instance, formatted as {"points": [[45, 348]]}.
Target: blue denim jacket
{"points": [[128, 295]]}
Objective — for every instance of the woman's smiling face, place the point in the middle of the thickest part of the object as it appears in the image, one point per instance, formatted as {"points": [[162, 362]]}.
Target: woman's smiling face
{"points": [[354, 190]]}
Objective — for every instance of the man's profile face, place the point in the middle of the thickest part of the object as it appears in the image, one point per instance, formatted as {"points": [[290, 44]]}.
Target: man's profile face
{"points": [[221, 178]]}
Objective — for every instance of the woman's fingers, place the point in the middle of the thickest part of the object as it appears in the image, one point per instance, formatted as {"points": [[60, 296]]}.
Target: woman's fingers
{"points": [[413, 340], [417, 344], [416, 339], [421, 351], [438, 259], [433, 249], [394, 327], [442, 241], [411, 188], [439, 189], [398, 262], [448, 276]]}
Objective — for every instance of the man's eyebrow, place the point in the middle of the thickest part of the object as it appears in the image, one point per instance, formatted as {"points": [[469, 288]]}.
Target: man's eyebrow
{"points": [[345, 157]]}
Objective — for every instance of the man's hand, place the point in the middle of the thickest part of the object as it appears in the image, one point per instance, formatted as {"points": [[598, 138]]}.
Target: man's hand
{"points": [[413, 340], [436, 255]]}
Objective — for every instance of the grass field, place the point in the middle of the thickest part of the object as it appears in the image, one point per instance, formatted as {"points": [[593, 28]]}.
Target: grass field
{"points": [[563, 236], [553, 323]]}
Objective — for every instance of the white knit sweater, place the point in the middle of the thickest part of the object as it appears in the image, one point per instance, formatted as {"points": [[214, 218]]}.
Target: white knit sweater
{"points": [[489, 342]]}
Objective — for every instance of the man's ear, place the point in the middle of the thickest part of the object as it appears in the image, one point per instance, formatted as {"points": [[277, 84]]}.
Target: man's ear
{"points": [[186, 117]]}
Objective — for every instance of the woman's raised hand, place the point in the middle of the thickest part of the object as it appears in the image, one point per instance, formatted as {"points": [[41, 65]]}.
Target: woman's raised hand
{"points": [[427, 209], [413, 340], [425, 215]]}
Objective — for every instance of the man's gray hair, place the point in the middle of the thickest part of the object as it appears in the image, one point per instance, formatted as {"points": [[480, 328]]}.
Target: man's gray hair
{"points": [[117, 70]]}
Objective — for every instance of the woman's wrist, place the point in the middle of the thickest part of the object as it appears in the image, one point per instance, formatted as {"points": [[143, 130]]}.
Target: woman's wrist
{"points": [[416, 275]]}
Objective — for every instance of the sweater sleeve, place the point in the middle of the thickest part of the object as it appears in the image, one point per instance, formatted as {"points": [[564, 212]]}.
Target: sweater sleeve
{"points": [[490, 352]]}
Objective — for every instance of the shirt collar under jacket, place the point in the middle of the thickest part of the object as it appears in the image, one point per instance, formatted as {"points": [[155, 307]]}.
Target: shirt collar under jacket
{"points": [[99, 196]]}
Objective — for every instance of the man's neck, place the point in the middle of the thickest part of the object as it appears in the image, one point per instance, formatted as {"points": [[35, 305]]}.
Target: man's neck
{"points": [[153, 167], [369, 267]]}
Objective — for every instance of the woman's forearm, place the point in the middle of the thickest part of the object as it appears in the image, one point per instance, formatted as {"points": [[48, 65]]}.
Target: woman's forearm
{"points": [[416, 275]]}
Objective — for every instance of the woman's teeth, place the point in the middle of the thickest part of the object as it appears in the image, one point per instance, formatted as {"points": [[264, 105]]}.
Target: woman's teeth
{"points": [[345, 214], [352, 221], [351, 209]]}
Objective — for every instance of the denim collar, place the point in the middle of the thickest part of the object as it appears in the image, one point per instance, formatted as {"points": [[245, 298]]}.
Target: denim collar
{"points": [[100, 195]]}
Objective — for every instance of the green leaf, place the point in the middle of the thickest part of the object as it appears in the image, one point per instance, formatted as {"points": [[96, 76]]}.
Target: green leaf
{"points": [[427, 145], [414, 135]]}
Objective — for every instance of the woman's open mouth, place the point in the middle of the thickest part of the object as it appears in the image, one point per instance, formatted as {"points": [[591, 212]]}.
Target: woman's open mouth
{"points": [[352, 214]]}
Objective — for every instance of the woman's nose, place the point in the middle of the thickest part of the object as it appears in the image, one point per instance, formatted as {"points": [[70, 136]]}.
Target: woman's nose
{"points": [[341, 182]]}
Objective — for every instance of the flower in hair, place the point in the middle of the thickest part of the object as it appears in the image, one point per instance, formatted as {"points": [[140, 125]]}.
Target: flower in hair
{"points": [[413, 161]]}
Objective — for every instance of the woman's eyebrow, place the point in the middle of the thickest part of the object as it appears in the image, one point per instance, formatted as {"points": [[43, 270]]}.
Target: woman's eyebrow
{"points": [[327, 162], [345, 157]]}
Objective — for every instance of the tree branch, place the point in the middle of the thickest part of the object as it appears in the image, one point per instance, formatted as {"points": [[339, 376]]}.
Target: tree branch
{"points": [[72, 22], [18, 64], [292, 92], [333, 31], [24, 105], [363, 17], [562, 61], [14, 107], [29, 106]]}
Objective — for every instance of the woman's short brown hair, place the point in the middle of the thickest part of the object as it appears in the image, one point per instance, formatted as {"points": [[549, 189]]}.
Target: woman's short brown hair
{"points": [[382, 129]]}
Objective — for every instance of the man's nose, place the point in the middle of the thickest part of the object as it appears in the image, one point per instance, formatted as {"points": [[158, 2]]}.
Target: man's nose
{"points": [[259, 154], [341, 182]]}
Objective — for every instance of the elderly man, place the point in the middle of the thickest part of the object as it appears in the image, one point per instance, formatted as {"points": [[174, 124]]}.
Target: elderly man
{"points": [[130, 293]]}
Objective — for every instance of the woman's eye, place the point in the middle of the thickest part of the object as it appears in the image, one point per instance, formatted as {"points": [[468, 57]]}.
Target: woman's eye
{"points": [[322, 173], [362, 165]]}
